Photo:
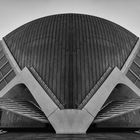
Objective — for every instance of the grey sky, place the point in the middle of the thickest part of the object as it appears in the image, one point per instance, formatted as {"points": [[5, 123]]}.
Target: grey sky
{"points": [[14, 13]]}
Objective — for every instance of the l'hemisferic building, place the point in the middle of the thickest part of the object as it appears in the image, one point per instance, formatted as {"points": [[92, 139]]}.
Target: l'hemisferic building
{"points": [[70, 71]]}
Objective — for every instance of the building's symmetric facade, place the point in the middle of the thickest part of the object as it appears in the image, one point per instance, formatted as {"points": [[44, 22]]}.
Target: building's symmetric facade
{"points": [[72, 71]]}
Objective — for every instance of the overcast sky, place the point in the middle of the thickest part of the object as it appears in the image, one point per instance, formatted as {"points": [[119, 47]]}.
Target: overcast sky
{"points": [[14, 13]]}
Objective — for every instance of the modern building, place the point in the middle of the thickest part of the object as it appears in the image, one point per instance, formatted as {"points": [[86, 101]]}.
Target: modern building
{"points": [[72, 72]]}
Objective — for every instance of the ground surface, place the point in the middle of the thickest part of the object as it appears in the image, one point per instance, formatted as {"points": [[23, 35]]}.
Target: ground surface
{"points": [[46, 136]]}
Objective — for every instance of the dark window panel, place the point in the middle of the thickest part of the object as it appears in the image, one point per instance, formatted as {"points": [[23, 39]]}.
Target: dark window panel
{"points": [[10, 76], [2, 84], [131, 76], [3, 61], [135, 69], [138, 83], [137, 60], [6, 69]]}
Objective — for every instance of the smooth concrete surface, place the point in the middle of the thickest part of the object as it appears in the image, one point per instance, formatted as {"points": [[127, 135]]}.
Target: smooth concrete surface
{"points": [[63, 121], [131, 57], [25, 77], [70, 121], [116, 77]]}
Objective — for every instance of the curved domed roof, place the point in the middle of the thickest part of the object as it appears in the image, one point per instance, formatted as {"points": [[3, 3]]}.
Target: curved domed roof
{"points": [[70, 52]]}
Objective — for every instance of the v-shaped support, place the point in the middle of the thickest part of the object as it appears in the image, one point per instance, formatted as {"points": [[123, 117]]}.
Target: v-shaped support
{"points": [[70, 120], [116, 77], [25, 77]]}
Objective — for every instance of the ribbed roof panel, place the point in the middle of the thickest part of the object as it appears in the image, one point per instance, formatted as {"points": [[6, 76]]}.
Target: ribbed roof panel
{"points": [[70, 52]]}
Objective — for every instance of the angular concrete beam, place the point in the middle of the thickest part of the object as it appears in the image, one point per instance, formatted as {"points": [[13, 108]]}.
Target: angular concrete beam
{"points": [[78, 121], [116, 77], [64, 121], [25, 77], [70, 121]]}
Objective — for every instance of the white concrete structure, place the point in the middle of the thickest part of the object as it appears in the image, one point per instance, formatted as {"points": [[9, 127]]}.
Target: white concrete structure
{"points": [[70, 121]]}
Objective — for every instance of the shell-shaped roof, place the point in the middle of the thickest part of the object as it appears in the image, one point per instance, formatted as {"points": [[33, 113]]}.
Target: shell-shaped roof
{"points": [[70, 52]]}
